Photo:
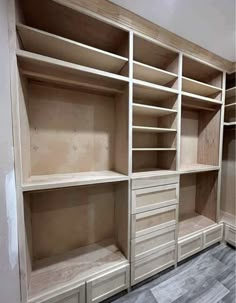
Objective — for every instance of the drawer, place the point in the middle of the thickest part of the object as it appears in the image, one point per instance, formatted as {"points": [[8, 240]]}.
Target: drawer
{"points": [[230, 235], [212, 235], [189, 246], [154, 181], [153, 220], [75, 295], [151, 265], [150, 243], [154, 197], [108, 284]]}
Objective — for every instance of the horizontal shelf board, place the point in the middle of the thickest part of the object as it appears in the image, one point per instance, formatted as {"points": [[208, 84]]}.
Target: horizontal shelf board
{"points": [[152, 74], [74, 179], [47, 44], [195, 168], [193, 223], [50, 273], [152, 129], [199, 102], [154, 149], [230, 106], [230, 123], [142, 109], [148, 91], [57, 71], [199, 88], [230, 92], [151, 172]]}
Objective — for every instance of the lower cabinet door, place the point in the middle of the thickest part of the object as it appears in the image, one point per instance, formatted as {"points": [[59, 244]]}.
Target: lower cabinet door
{"points": [[212, 235], [151, 265], [107, 284], [75, 295], [230, 235], [189, 246]]}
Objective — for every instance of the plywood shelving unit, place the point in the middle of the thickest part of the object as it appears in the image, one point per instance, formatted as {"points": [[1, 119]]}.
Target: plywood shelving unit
{"points": [[100, 112]]}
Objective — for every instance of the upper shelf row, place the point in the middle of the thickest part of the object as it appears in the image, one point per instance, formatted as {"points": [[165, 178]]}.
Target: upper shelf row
{"points": [[151, 62]]}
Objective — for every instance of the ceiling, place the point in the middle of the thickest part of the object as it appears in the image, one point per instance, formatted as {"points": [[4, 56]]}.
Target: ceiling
{"points": [[208, 23]]}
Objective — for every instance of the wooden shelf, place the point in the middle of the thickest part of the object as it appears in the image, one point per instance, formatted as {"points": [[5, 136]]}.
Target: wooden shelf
{"points": [[59, 72], [152, 74], [152, 172], [75, 179], [154, 149], [199, 102], [142, 109], [54, 46], [230, 92], [199, 88], [195, 168], [148, 91], [193, 223], [74, 267], [230, 106], [229, 123], [152, 129]]}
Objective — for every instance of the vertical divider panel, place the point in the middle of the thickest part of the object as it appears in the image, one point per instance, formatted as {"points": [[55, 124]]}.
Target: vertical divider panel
{"points": [[221, 147]]}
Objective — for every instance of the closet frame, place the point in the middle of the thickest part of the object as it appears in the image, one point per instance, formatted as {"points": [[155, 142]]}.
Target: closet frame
{"points": [[162, 93]]}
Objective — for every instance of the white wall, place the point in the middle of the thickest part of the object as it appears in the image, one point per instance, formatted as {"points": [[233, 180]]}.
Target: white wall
{"points": [[9, 267]]}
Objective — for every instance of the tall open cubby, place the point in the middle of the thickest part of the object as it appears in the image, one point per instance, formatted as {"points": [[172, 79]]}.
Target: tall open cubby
{"points": [[118, 153]]}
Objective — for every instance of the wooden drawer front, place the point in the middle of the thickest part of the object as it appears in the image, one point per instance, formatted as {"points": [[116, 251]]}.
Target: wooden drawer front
{"points": [[189, 246], [153, 220], [150, 243], [153, 197], [152, 264], [75, 295], [230, 235], [154, 181], [212, 235], [108, 284]]}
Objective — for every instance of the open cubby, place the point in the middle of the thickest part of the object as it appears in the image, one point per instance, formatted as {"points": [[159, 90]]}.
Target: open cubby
{"points": [[44, 15], [201, 79], [200, 133], [80, 231], [197, 202], [63, 130], [230, 100]]}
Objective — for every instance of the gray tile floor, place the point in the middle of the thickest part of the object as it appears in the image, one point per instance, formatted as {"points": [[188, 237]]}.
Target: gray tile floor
{"points": [[209, 277]]}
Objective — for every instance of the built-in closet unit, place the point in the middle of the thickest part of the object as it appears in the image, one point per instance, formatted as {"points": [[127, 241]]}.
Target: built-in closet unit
{"points": [[228, 196], [117, 149]]}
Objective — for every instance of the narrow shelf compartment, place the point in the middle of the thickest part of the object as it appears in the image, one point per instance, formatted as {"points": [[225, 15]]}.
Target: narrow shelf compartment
{"points": [[154, 75], [193, 223], [88, 246], [202, 72], [230, 92], [197, 202], [142, 109], [63, 130], [199, 143], [202, 89], [152, 129], [66, 180], [230, 113], [43, 43]]}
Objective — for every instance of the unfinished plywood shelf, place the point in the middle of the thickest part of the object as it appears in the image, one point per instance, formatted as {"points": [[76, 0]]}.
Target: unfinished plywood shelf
{"points": [[229, 123], [194, 168], [142, 109], [152, 129], [154, 75], [199, 88], [43, 43], [230, 92], [199, 102], [193, 223], [154, 149], [102, 256], [59, 72], [74, 179]]}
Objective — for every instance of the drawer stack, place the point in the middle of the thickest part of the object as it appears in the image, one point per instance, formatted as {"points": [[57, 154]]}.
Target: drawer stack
{"points": [[153, 225]]}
